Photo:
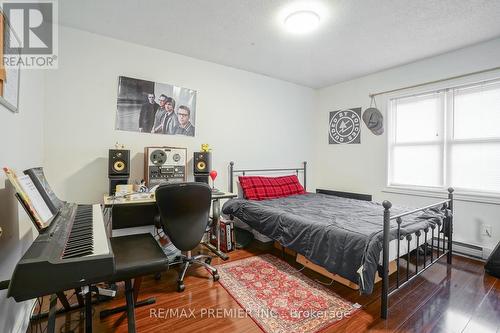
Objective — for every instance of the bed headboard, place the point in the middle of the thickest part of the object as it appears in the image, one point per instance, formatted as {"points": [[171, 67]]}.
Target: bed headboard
{"points": [[243, 172]]}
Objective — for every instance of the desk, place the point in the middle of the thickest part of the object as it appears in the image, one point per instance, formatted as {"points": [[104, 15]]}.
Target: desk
{"points": [[147, 202]]}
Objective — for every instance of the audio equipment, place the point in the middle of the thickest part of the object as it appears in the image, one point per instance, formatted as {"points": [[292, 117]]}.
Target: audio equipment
{"points": [[202, 162], [201, 179], [119, 162], [115, 181], [164, 165], [118, 168]]}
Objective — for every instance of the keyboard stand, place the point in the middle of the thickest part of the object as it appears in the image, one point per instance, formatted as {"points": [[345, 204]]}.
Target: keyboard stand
{"points": [[52, 310], [64, 301], [137, 285], [66, 306], [88, 311], [87, 303], [51, 324]]}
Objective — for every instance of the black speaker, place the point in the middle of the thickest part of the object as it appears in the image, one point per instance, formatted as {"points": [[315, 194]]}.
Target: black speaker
{"points": [[119, 163], [492, 266], [199, 178], [113, 181], [202, 163]]}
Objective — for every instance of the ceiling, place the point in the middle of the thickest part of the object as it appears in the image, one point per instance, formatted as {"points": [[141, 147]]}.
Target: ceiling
{"points": [[355, 37]]}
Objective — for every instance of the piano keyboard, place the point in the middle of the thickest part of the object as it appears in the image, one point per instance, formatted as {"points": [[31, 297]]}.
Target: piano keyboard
{"points": [[87, 236], [73, 251]]}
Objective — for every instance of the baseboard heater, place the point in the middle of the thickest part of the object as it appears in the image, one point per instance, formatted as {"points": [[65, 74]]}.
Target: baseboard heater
{"points": [[467, 250]]}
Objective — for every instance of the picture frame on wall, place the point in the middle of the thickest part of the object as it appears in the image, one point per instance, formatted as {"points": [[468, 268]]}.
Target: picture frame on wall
{"points": [[9, 76], [345, 126], [156, 108]]}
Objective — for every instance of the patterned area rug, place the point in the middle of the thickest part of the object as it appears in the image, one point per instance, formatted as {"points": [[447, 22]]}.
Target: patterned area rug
{"points": [[279, 298]]}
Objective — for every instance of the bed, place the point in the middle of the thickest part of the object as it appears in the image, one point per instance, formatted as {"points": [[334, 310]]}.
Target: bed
{"points": [[349, 235]]}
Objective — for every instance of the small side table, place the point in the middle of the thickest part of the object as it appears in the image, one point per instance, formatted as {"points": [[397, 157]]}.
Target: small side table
{"points": [[216, 197]]}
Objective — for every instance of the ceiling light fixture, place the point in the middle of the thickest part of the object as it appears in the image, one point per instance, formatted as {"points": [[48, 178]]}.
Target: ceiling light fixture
{"points": [[302, 21]]}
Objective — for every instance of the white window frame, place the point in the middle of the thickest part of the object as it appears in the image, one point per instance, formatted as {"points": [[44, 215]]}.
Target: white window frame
{"points": [[448, 140], [392, 138]]}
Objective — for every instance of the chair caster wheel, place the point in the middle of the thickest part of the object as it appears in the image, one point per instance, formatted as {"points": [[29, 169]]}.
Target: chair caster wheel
{"points": [[180, 287], [216, 277], [208, 261], [157, 276]]}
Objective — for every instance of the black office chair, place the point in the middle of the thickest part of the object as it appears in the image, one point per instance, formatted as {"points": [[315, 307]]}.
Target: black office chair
{"points": [[184, 213], [135, 256]]}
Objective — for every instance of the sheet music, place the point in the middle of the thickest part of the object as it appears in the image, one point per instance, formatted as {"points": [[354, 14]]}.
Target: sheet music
{"points": [[36, 199]]}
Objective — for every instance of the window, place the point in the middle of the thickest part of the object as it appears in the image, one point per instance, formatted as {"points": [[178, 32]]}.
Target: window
{"points": [[446, 138]]}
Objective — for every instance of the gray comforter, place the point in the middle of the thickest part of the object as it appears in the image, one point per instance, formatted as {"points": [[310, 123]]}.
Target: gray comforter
{"points": [[339, 234]]}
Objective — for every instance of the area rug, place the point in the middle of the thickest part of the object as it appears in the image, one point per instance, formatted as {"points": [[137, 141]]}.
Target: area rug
{"points": [[279, 298]]}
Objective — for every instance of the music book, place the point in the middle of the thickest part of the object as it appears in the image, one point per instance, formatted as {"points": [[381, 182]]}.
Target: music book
{"points": [[36, 199], [38, 177], [31, 198]]}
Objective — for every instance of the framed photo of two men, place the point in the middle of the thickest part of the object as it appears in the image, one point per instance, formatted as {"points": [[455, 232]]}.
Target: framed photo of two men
{"points": [[152, 107]]}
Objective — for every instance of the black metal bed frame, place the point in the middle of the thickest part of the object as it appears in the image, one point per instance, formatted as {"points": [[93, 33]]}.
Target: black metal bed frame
{"points": [[445, 228], [232, 171], [444, 245]]}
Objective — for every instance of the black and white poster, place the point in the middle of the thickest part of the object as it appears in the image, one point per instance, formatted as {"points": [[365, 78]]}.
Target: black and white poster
{"points": [[345, 126], [152, 107]]}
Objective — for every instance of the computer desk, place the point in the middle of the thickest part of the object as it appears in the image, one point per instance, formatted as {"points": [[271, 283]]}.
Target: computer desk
{"points": [[146, 202]]}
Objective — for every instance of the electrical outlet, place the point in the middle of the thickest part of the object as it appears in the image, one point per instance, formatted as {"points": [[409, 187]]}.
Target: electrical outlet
{"points": [[486, 230]]}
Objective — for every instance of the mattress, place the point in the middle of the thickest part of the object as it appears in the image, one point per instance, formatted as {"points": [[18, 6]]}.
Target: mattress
{"points": [[342, 235], [393, 245]]}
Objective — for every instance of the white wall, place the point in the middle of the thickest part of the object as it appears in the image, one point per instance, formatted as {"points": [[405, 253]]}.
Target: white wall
{"points": [[362, 168], [21, 148], [252, 119]]}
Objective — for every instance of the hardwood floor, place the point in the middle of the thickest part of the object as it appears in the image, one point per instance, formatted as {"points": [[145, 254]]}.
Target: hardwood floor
{"points": [[457, 298]]}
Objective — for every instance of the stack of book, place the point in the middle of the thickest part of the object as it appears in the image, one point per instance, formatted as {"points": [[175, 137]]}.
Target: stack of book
{"points": [[227, 239]]}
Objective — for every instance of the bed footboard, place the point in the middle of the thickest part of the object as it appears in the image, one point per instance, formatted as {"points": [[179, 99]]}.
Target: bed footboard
{"points": [[431, 252]]}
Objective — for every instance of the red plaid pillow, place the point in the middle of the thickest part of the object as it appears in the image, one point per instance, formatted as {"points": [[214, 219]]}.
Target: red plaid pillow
{"points": [[261, 188]]}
